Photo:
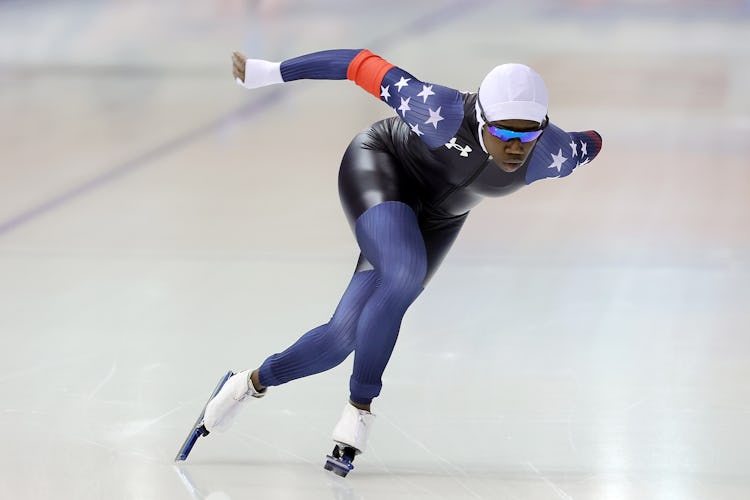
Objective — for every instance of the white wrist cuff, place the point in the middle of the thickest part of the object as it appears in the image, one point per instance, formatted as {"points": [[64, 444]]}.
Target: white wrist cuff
{"points": [[259, 73]]}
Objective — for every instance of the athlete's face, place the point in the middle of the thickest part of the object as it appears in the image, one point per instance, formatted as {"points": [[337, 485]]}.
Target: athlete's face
{"points": [[509, 155]]}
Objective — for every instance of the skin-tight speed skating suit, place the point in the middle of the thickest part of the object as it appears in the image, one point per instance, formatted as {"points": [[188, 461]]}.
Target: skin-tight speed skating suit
{"points": [[406, 184]]}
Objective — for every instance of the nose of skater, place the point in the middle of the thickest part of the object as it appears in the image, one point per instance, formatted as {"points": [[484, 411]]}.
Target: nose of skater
{"points": [[514, 147]]}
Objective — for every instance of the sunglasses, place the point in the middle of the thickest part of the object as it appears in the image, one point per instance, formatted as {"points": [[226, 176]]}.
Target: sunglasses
{"points": [[506, 134]]}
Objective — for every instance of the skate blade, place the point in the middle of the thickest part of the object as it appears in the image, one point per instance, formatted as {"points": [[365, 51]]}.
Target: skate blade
{"points": [[198, 428], [337, 466]]}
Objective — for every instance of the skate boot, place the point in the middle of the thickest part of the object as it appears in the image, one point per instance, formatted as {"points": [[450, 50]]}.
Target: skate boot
{"points": [[224, 406], [350, 438], [221, 408]]}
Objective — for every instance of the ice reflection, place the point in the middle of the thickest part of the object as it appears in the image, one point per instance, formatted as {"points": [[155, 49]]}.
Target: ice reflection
{"points": [[194, 490]]}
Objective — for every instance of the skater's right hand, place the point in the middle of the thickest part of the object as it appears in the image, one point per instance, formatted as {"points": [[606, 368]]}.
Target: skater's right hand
{"points": [[254, 73], [238, 65]]}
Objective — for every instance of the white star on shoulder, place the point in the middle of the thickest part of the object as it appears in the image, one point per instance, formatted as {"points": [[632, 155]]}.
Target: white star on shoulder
{"points": [[404, 106], [434, 117], [384, 93], [404, 82], [574, 147], [426, 92], [415, 129], [557, 161], [583, 149]]}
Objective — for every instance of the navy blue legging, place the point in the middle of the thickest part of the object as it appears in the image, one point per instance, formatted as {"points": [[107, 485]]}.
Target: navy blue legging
{"points": [[368, 317]]}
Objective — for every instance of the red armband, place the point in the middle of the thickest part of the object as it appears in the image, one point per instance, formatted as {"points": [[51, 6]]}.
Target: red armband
{"points": [[367, 70]]}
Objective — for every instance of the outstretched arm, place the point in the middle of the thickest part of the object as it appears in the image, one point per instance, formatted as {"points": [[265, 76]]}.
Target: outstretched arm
{"points": [[324, 65], [433, 112], [558, 153]]}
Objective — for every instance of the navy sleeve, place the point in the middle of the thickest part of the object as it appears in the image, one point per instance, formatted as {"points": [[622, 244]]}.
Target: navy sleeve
{"points": [[558, 153], [433, 112], [323, 65]]}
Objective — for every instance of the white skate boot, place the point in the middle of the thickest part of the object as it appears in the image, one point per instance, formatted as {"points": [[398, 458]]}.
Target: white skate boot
{"points": [[220, 409], [350, 435], [223, 408]]}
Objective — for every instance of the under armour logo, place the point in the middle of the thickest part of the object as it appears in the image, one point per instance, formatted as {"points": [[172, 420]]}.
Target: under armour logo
{"points": [[465, 150]]}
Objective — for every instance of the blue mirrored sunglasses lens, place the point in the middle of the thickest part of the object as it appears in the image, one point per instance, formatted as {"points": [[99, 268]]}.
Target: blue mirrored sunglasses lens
{"points": [[506, 135]]}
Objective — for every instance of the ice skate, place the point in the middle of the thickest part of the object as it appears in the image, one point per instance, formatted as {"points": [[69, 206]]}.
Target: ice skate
{"points": [[221, 408], [350, 438]]}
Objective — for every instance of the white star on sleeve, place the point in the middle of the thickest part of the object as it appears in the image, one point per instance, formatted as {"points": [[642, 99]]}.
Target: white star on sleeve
{"points": [[415, 129], [434, 117], [426, 92], [404, 106], [384, 93], [557, 161], [402, 83], [583, 149], [574, 147]]}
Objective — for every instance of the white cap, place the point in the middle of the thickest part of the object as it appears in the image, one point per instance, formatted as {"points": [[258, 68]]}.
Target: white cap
{"points": [[513, 92]]}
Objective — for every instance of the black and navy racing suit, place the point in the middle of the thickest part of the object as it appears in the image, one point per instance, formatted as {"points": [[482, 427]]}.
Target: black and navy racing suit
{"points": [[407, 185]]}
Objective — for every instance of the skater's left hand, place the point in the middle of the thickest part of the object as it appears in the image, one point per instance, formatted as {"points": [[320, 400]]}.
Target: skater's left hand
{"points": [[238, 65]]}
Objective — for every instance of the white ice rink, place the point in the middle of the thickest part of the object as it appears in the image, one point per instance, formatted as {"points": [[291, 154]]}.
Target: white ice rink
{"points": [[586, 339]]}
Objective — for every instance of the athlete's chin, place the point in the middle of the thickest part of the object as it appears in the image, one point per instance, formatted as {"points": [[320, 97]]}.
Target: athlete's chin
{"points": [[509, 167]]}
